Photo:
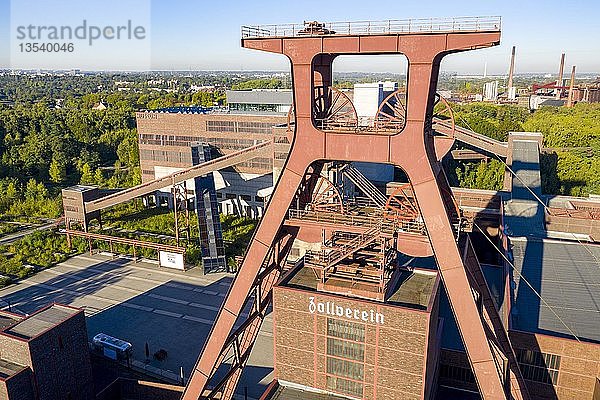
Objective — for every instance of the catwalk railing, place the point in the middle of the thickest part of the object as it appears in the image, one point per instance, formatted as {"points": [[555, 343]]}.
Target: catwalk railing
{"points": [[328, 258], [404, 26], [387, 226]]}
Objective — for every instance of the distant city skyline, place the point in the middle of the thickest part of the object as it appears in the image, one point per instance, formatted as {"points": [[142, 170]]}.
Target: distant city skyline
{"points": [[187, 35]]}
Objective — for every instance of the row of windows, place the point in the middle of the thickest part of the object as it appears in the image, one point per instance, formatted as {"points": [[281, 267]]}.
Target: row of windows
{"points": [[346, 386], [344, 349], [258, 163], [184, 141], [345, 330], [456, 373], [167, 140], [240, 127], [345, 368], [252, 107], [537, 366], [281, 139], [537, 359], [168, 156], [539, 374], [245, 197]]}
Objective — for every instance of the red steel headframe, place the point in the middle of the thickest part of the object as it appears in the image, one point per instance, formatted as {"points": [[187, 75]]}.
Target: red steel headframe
{"points": [[411, 149]]}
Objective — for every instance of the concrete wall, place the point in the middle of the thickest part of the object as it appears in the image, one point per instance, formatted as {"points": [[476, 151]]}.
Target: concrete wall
{"points": [[394, 351]]}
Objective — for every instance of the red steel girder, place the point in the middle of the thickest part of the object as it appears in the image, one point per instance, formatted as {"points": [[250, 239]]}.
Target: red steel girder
{"points": [[413, 150]]}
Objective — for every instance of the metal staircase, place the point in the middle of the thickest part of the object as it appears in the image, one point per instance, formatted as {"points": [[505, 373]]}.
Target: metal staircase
{"points": [[328, 259], [365, 186]]}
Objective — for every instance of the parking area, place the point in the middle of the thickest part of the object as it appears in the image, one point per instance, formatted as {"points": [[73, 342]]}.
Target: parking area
{"points": [[142, 303]]}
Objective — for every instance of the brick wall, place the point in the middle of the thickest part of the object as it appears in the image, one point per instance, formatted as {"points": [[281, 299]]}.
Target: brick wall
{"points": [[394, 359], [14, 350], [61, 361], [579, 366], [18, 386], [195, 126]]}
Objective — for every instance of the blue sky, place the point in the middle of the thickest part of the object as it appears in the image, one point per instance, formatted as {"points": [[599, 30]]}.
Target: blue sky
{"points": [[204, 35]]}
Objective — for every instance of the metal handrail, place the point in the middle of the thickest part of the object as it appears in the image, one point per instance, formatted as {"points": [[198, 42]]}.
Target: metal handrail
{"points": [[419, 25], [357, 220]]}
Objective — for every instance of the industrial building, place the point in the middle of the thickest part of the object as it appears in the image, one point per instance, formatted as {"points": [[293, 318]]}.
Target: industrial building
{"points": [[45, 355], [165, 140], [410, 289], [384, 282]]}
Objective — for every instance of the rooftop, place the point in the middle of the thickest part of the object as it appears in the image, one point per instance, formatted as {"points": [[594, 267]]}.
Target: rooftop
{"points": [[80, 188], [566, 276], [402, 26], [7, 319], [41, 321], [282, 392], [280, 97], [412, 288], [8, 369]]}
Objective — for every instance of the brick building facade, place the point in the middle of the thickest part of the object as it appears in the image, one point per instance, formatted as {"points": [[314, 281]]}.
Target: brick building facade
{"points": [[353, 347], [45, 356], [164, 143]]}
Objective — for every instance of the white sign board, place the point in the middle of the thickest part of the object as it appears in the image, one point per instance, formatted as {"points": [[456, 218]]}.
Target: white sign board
{"points": [[171, 260]]}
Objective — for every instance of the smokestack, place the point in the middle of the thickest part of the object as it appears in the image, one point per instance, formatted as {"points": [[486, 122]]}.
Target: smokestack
{"points": [[571, 85], [512, 69], [559, 82]]}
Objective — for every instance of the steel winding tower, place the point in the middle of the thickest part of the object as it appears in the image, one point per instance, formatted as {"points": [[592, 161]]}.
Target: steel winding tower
{"points": [[407, 141]]}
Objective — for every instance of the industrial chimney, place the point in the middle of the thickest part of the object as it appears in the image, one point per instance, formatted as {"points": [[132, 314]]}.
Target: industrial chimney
{"points": [[571, 86], [511, 71], [559, 81]]}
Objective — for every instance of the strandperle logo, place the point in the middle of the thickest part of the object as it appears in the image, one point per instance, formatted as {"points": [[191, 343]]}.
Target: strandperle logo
{"points": [[83, 31]]}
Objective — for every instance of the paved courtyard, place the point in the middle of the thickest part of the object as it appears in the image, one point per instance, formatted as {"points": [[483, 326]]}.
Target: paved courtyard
{"points": [[142, 303]]}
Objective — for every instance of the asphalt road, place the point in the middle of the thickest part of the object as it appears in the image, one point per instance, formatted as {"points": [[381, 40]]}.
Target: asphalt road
{"points": [[140, 303]]}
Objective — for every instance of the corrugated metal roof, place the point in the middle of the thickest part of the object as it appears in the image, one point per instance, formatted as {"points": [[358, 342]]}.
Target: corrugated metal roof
{"points": [[523, 214], [283, 97], [567, 275]]}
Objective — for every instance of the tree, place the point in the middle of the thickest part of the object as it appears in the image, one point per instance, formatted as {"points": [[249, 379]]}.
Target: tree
{"points": [[87, 177], [57, 171]]}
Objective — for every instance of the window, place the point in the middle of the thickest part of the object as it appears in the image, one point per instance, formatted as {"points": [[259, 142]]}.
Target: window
{"points": [[246, 197], [456, 373], [230, 196], [60, 343], [342, 385], [348, 369], [342, 348], [538, 367], [345, 357], [345, 330]]}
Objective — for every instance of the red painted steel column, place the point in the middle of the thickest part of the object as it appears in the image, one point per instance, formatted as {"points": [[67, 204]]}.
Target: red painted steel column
{"points": [[428, 195]]}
